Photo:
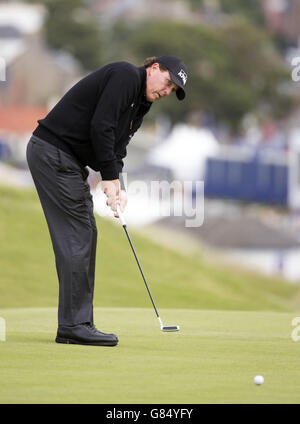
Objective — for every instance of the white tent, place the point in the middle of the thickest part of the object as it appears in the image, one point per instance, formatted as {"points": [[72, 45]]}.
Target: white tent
{"points": [[185, 152]]}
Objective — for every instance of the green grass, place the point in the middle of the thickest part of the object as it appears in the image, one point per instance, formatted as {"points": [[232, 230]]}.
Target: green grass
{"points": [[234, 324], [28, 274], [212, 359]]}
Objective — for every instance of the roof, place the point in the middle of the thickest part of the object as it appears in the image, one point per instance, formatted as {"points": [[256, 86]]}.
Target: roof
{"points": [[185, 151], [18, 119], [244, 233], [238, 232], [9, 31]]}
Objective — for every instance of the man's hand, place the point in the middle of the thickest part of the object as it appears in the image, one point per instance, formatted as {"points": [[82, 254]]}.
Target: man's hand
{"points": [[123, 201], [112, 190], [114, 195]]}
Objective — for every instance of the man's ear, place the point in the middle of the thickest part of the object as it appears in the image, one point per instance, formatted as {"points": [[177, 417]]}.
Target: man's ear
{"points": [[155, 66]]}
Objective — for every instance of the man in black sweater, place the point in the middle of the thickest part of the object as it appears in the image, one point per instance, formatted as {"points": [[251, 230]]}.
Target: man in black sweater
{"points": [[90, 127]]}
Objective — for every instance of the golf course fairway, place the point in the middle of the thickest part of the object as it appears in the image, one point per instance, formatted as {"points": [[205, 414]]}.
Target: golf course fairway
{"points": [[212, 359], [234, 324]]}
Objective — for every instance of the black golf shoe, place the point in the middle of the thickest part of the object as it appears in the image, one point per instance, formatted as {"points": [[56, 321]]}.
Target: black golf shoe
{"points": [[85, 334]]}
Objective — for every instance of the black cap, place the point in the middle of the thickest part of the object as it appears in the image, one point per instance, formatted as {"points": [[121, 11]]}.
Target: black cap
{"points": [[178, 72]]}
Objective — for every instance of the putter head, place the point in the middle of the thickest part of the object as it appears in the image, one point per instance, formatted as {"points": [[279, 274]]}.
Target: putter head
{"points": [[170, 328]]}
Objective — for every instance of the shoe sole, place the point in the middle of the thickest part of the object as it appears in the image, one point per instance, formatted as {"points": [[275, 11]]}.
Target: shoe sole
{"points": [[72, 341]]}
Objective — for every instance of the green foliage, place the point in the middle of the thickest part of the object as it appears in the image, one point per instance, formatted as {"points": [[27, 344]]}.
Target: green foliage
{"points": [[250, 9], [233, 68]]}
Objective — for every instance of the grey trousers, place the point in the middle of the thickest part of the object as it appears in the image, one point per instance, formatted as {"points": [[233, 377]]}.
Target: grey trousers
{"points": [[64, 193]]}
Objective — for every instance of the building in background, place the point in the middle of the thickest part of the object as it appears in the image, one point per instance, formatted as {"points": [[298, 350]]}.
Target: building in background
{"points": [[16, 125], [35, 77], [33, 73]]}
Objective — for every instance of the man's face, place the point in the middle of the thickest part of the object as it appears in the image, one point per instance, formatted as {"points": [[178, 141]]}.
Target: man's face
{"points": [[159, 83]]}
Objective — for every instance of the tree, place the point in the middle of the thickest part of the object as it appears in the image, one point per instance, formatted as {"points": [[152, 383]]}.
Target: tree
{"points": [[70, 26], [233, 68], [250, 9]]}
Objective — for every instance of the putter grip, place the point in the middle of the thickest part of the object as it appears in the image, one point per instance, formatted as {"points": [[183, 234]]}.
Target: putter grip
{"points": [[121, 216]]}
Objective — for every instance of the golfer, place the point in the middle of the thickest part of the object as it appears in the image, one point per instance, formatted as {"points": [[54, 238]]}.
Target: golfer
{"points": [[90, 127]]}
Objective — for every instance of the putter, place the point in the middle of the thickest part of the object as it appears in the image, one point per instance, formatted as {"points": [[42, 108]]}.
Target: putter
{"points": [[162, 327]]}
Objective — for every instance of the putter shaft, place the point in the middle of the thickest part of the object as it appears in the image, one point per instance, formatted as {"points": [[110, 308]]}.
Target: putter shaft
{"points": [[162, 327], [140, 268]]}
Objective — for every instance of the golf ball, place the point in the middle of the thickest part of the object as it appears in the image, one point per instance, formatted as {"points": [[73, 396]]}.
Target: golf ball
{"points": [[258, 379]]}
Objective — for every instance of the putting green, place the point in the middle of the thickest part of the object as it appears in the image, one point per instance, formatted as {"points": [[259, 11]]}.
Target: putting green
{"points": [[212, 359]]}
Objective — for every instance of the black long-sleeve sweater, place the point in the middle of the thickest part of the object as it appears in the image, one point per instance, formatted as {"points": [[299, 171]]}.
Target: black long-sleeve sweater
{"points": [[97, 117]]}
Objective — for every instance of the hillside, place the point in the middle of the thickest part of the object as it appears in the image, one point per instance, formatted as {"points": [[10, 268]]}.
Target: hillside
{"points": [[28, 275]]}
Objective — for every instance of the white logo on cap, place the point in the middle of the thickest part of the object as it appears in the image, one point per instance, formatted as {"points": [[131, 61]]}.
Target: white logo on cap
{"points": [[183, 76]]}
